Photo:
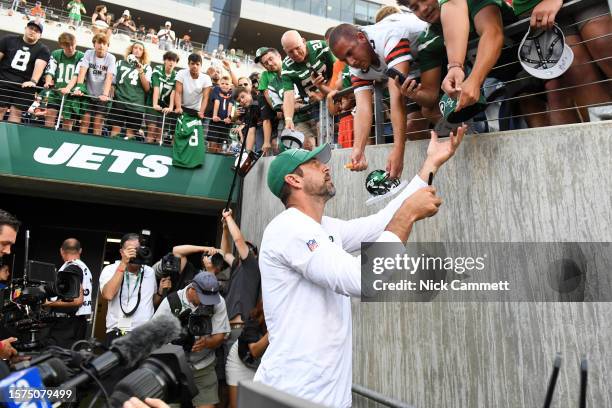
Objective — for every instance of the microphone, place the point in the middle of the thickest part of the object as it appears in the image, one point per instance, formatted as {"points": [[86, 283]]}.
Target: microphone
{"points": [[129, 350]]}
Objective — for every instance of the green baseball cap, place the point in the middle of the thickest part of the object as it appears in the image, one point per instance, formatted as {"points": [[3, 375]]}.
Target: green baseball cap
{"points": [[261, 52], [448, 105], [289, 160]]}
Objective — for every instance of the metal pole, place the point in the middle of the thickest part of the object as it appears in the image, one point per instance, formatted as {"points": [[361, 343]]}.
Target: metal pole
{"points": [[59, 114], [161, 135], [379, 113], [229, 197], [321, 123]]}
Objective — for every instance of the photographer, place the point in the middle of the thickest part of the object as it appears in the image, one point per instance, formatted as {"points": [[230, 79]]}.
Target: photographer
{"points": [[202, 291], [130, 288], [209, 262], [70, 323]]}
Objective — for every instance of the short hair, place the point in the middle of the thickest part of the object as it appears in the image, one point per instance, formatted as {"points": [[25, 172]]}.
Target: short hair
{"points": [[130, 236], [195, 58], [99, 8], [71, 245], [171, 56], [218, 261], [239, 90], [9, 219], [328, 31], [225, 78], [343, 30], [286, 190], [100, 38], [66, 39]]}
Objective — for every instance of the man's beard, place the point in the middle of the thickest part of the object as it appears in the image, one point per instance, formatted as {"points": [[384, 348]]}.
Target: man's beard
{"points": [[325, 191]]}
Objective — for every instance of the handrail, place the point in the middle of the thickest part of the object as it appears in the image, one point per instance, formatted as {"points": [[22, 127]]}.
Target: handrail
{"points": [[378, 397]]}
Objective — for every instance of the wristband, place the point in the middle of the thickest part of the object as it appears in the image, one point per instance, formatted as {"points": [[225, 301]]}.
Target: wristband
{"points": [[454, 65], [288, 119]]}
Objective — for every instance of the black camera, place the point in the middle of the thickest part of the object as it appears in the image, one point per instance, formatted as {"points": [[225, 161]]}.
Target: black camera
{"points": [[194, 323], [170, 265], [144, 255]]}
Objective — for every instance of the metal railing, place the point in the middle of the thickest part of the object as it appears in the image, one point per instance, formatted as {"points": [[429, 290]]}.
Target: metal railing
{"points": [[112, 119], [502, 103]]}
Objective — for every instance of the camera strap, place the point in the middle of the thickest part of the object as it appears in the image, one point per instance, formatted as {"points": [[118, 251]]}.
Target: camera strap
{"points": [[139, 279]]}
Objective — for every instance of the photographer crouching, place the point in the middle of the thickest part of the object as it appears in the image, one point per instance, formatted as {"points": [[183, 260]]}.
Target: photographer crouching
{"points": [[130, 288], [203, 314], [70, 322]]}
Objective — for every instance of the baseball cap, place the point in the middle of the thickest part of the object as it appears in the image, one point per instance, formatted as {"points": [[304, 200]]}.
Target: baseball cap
{"points": [[261, 52], [168, 23], [289, 160], [544, 53], [448, 105], [206, 286], [292, 139], [126, 13], [36, 24]]}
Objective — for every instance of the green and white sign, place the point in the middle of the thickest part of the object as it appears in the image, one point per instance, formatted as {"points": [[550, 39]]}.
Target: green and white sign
{"points": [[54, 155]]}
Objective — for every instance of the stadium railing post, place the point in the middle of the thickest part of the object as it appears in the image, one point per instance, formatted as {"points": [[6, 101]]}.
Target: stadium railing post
{"points": [[379, 113], [161, 135], [59, 113]]}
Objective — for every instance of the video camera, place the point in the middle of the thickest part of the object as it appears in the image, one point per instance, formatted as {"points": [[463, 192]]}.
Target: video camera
{"points": [[194, 323], [139, 364], [170, 265]]}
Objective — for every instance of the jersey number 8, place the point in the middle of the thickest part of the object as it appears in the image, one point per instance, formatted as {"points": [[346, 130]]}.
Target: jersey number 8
{"points": [[20, 60]]}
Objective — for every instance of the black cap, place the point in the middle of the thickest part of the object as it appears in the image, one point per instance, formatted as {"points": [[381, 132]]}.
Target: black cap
{"points": [[36, 24]]}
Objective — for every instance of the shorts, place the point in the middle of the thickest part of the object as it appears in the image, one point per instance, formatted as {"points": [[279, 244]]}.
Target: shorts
{"points": [[153, 117], [15, 95], [122, 115], [73, 106], [235, 370], [205, 380]]}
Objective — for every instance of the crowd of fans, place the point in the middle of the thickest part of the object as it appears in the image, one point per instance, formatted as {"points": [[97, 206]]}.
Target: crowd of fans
{"points": [[420, 56]]}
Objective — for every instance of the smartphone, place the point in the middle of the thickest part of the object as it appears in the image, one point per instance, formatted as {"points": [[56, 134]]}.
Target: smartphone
{"points": [[394, 73]]}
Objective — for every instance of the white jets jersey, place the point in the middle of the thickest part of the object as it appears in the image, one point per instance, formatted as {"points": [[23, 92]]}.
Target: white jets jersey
{"points": [[394, 40]]}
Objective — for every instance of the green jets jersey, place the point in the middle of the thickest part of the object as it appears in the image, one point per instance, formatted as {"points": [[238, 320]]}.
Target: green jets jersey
{"points": [[320, 59], [165, 83], [128, 87], [432, 53], [63, 68], [188, 148], [272, 82]]}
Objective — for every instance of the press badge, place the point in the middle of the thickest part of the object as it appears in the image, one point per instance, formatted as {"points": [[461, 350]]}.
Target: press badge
{"points": [[125, 323]]}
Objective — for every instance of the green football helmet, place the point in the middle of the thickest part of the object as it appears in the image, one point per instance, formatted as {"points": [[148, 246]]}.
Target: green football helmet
{"points": [[378, 183]]}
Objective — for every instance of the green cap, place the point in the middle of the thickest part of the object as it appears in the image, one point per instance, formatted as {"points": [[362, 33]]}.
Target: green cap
{"points": [[448, 106], [289, 160], [261, 52]]}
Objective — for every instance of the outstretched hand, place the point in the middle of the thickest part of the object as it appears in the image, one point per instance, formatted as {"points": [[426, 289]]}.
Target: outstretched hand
{"points": [[438, 152]]}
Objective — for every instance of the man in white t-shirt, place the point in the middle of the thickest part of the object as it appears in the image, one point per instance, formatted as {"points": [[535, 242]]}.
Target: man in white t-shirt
{"points": [[71, 316], [192, 88], [308, 273], [369, 52], [130, 289], [166, 37]]}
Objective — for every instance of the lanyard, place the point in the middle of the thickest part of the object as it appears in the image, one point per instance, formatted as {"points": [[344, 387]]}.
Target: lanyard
{"points": [[137, 284], [126, 276]]}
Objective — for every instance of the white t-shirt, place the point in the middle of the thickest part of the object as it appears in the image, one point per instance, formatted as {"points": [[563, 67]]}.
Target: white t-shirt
{"points": [[85, 308], [97, 70], [193, 88], [394, 40], [114, 316], [166, 35], [307, 276]]}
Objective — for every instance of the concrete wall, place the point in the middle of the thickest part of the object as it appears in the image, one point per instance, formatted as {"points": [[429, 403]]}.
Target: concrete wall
{"points": [[541, 185]]}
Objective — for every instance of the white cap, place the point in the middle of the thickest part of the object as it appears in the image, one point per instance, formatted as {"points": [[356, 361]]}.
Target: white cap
{"points": [[292, 139], [168, 23], [544, 54], [126, 13]]}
